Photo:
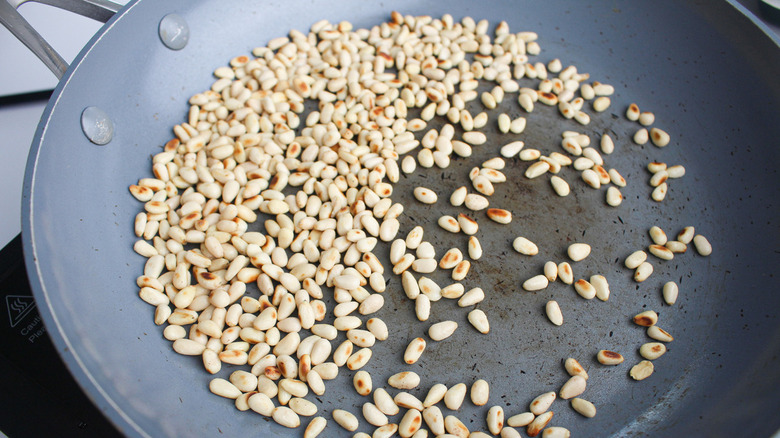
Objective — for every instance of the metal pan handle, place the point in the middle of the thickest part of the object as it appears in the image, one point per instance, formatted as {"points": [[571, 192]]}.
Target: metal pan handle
{"points": [[100, 10]]}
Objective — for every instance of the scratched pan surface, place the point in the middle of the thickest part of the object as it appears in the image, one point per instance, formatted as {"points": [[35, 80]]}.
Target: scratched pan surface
{"points": [[705, 70]]}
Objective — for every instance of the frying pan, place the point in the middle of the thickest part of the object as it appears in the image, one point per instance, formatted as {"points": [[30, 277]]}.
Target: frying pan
{"points": [[708, 73]]}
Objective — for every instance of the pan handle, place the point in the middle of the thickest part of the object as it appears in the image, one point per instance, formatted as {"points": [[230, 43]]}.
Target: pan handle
{"points": [[100, 10]]}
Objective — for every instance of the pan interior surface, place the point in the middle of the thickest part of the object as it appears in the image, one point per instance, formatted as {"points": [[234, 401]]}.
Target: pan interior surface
{"points": [[701, 67]]}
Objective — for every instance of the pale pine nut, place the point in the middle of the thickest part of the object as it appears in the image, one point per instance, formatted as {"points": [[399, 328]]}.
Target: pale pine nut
{"points": [[657, 235], [422, 307], [676, 247], [345, 419], [591, 178], [583, 407], [661, 252], [315, 427], [578, 251], [659, 193], [479, 320], [607, 145], [458, 196], [601, 104], [471, 297], [536, 283], [607, 357], [537, 169], [373, 415], [601, 285], [676, 171], [573, 387], [385, 402], [643, 272], [641, 136], [511, 149], [435, 395], [574, 368], [425, 195], [553, 311], [635, 259], [480, 392], [556, 432], [646, 118], [442, 330], [520, 420], [434, 419], [476, 202], [614, 197], [702, 245], [525, 246], [560, 186], [642, 370], [454, 396]]}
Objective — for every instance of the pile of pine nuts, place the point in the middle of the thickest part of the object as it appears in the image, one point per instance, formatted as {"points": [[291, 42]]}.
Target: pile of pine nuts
{"points": [[324, 179]]}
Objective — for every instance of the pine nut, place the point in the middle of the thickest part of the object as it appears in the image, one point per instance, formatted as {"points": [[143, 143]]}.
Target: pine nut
{"points": [[480, 392], [659, 193], [536, 283], [646, 118], [424, 195], [643, 272], [455, 427], [458, 196], [641, 136], [476, 202], [315, 427], [495, 419], [661, 252], [560, 186], [607, 357], [686, 235], [614, 197], [479, 320], [635, 259], [345, 419], [556, 432], [525, 246], [585, 289], [261, 403], [632, 113], [607, 145], [539, 405], [657, 235], [575, 369], [591, 178], [510, 150], [646, 318], [573, 387], [676, 171], [414, 350], [468, 225], [471, 297], [676, 246], [583, 407], [659, 137], [703, 246], [442, 330], [434, 419], [565, 273], [642, 370], [520, 420], [422, 307], [539, 423], [224, 388], [652, 350], [435, 395], [659, 334], [410, 423], [373, 415], [384, 402], [454, 396], [358, 359], [601, 104], [474, 248], [578, 251], [553, 311]]}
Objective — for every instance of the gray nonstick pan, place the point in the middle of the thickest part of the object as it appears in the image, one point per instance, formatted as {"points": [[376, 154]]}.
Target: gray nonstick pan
{"points": [[705, 69]]}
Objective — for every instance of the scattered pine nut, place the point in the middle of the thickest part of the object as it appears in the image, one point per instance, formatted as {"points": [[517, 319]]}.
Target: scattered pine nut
{"points": [[607, 357], [670, 292], [583, 407], [702, 245], [553, 311], [642, 370]]}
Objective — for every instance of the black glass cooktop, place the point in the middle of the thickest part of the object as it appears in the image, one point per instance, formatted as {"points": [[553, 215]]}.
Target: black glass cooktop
{"points": [[38, 396]]}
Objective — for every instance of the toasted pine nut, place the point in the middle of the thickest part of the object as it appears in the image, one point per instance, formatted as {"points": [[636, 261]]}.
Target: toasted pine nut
{"points": [[574, 368], [642, 370], [614, 197], [474, 248], [632, 113], [468, 225], [646, 318], [676, 247], [661, 252], [499, 215], [410, 423], [659, 193], [657, 235], [659, 137], [652, 350], [539, 423], [659, 334], [607, 357], [553, 311], [495, 419], [556, 432], [585, 289], [565, 273], [540, 404], [414, 350]]}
